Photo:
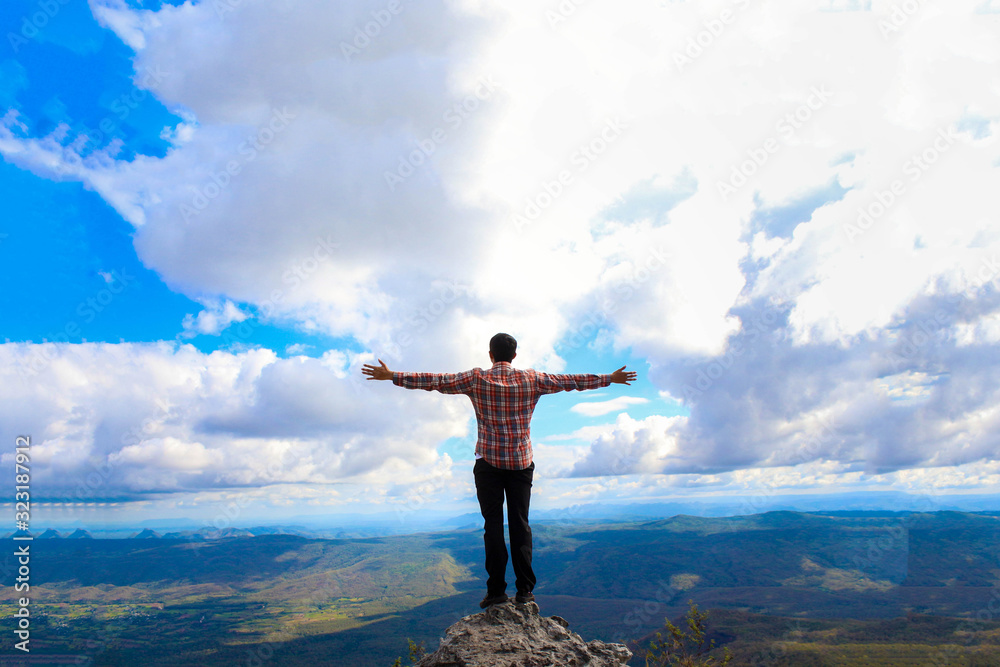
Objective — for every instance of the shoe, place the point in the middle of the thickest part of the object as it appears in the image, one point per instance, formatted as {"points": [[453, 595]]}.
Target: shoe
{"points": [[522, 598], [490, 601]]}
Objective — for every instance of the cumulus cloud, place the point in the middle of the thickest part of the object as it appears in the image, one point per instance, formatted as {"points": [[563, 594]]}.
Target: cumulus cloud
{"points": [[213, 319], [129, 419], [908, 396], [796, 230], [598, 408], [635, 446]]}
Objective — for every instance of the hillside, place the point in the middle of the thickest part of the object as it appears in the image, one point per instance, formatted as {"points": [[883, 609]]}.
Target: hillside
{"points": [[914, 640], [215, 602]]}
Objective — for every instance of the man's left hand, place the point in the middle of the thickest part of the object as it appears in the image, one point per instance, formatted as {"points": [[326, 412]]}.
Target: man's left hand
{"points": [[377, 372], [621, 377]]}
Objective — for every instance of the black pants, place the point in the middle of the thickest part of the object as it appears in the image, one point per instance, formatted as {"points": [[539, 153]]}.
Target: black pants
{"points": [[491, 485]]}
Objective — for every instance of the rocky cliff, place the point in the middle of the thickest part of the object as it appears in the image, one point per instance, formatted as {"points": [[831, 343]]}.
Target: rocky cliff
{"points": [[509, 635]]}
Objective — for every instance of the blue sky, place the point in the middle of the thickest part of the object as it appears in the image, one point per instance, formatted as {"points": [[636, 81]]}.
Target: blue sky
{"points": [[68, 240], [215, 213]]}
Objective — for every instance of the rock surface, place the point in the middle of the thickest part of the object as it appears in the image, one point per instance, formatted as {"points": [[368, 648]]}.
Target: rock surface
{"points": [[515, 635]]}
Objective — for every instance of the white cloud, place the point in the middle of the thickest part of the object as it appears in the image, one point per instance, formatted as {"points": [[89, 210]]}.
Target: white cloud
{"points": [[134, 418], [129, 25], [636, 446], [216, 316], [168, 453], [906, 386], [788, 331], [598, 408]]}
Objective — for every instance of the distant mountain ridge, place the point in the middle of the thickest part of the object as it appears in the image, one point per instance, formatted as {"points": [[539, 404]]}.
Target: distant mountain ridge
{"points": [[564, 518], [401, 522], [360, 598]]}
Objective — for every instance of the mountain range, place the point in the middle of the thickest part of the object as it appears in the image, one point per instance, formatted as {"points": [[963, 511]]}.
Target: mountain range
{"points": [[221, 600]]}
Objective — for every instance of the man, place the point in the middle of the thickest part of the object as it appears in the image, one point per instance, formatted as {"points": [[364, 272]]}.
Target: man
{"points": [[504, 399]]}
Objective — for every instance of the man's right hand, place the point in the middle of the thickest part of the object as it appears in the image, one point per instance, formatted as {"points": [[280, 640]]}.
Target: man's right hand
{"points": [[621, 377], [378, 372]]}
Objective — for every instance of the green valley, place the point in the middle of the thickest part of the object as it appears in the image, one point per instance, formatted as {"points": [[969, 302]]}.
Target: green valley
{"points": [[795, 588]]}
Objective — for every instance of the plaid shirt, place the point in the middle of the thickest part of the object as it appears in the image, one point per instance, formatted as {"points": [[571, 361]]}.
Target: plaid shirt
{"points": [[504, 398]]}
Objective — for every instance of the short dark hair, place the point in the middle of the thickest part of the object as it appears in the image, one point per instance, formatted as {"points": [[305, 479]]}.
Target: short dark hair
{"points": [[503, 346]]}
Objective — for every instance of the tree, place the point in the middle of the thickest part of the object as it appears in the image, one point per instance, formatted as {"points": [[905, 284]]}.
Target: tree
{"points": [[685, 649], [417, 651]]}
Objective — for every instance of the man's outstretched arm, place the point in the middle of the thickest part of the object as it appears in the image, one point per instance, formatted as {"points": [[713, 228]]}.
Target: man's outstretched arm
{"points": [[446, 383], [550, 383]]}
